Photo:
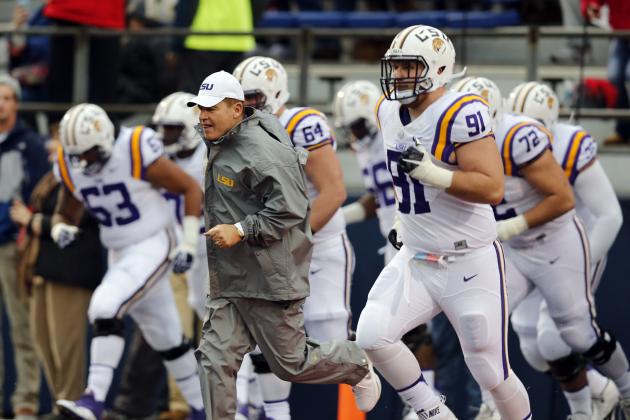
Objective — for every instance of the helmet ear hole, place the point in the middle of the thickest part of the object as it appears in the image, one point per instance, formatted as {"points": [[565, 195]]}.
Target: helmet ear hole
{"points": [[441, 69]]}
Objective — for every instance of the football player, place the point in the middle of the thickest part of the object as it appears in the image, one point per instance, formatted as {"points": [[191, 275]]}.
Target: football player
{"points": [[596, 205], [175, 125], [537, 221], [447, 172], [327, 309], [354, 116], [119, 183]]}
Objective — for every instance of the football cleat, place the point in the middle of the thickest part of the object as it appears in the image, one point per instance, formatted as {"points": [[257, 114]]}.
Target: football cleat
{"points": [[85, 408]]}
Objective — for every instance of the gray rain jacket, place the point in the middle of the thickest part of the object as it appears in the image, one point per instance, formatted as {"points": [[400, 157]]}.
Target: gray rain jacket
{"points": [[254, 176]]}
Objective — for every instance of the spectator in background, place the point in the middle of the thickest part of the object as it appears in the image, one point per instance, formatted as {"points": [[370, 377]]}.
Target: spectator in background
{"points": [[618, 59], [60, 282], [29, 56], [199, 55], [23, 161], [104, 56], [142, 78], [576, 46]]}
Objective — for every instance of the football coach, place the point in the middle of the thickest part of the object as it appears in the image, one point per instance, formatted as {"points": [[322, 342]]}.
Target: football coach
{"points": [[259, 249]]}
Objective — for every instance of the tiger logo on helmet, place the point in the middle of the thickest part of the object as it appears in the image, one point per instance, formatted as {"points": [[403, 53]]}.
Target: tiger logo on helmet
{"points": [[264, 81]]}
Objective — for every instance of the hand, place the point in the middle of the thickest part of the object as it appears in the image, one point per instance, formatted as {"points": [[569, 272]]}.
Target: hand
{"points": [[20, 214], [418, 164], [182, 256], [20, 16], [64, 234], [509, 228], [224, 236], [394, 235]]}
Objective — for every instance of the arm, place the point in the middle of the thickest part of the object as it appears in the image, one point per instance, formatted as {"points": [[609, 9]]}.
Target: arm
{"points": [[282, 190], [546, 176], [163, 173], [363, 208], [324, 171], [66, 218], [595, 191], [479, 178]]}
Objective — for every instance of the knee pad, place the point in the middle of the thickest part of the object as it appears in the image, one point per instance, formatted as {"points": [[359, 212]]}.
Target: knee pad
{"points": [[109, 326], [531, 353], [603, 348], [176, 352], [578, 335], [473, 331], [567, 368], [417, 337], [486, 373], [551, 344], [371, 330], [260, 363]]}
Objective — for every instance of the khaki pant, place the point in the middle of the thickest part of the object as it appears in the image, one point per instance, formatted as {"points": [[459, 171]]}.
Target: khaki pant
{"points": [[233, 327], [59, 327], [26, 393]]}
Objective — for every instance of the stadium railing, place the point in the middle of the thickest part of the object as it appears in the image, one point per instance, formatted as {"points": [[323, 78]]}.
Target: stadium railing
{"points": [[304, 38]]}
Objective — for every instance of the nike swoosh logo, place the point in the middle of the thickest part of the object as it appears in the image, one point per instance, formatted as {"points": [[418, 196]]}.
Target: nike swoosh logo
{"points": [[554, 261], [315, 271], [470, 278]]}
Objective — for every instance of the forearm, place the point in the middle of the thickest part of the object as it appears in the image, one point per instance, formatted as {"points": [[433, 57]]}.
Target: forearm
{"points": [[476, 187], [550, 208], [324, 208], [193, 198], [264, 228]]}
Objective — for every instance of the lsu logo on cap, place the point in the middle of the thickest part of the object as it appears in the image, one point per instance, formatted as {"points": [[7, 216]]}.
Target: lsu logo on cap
{"points": [[206, 86]]}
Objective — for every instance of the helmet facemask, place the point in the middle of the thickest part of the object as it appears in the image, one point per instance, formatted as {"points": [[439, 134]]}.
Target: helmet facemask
{"points": [[91, 161], [172, 137], [257, 99], [413, 83]]}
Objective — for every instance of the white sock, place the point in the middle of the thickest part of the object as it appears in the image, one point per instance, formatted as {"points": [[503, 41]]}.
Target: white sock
{"points": [[510, 398], [184, 370], [275, 393], [400, 368], [243, 377], [105, 354], [596, 381], [579, 401], [429, 377]]}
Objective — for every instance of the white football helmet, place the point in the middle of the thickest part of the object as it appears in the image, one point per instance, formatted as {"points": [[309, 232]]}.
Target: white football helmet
{"points": [[535, 100], [485, 88], [172, 111], [264, 81], [434, 57], [85, 127], [354, 109]]}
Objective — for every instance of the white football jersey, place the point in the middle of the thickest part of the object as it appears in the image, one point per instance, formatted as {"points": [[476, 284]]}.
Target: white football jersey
{"points": [[377, 179], [574, 149], [433, 220], [128, 208], [193, 165], [309, 129], [521, 140]]}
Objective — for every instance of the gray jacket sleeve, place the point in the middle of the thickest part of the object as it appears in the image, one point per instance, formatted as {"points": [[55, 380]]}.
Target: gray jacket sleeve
{"points": [[282, 191]]}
